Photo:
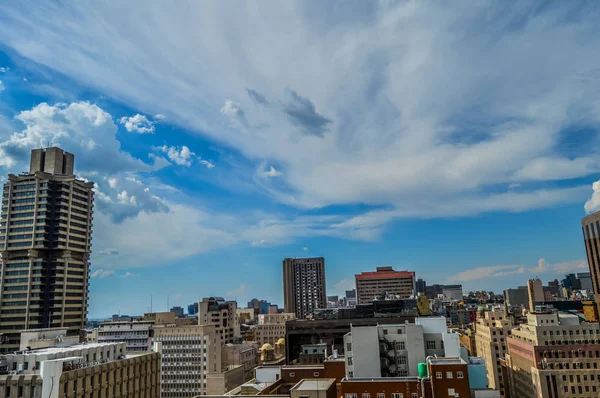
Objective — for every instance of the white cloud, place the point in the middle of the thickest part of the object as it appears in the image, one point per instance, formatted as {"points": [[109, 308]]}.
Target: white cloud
{"points": [[208, 164], [107, 252], [572, 266], [345, 284], [305, 249], [179, 155], [407, 121], [272, 172], [138, 124], [487, 272], [541, 267], [2, 88], [593, 204], [3, 69], [514, 186], [159, 117], [127, 275], [236, 292], [100, 273]]}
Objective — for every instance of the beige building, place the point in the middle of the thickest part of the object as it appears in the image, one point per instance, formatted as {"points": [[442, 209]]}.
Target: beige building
{"points": [[45, 244], [591, 235], [80, 371], [136, 334], [246, 315], [554, 355], [218, 383], [371, 284], [244, 355], [223, 314], [269, 334], [535, 290], [188, 353], [304, 285], [491, 332], [275, 319]]}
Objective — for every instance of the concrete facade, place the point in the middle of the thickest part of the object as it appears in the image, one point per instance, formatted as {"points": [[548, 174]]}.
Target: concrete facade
{"points": [[554, 355], [223, 314], [45, 245], [491, 332], [189, 353], [304, 285], [385, 279], [590, 226], [535, 289], [136, 334]]}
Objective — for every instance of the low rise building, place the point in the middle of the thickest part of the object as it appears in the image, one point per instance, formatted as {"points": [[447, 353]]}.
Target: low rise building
{"points": [[244, 355], [137, 335], [80, 371], [35, 339], [554, 355]]}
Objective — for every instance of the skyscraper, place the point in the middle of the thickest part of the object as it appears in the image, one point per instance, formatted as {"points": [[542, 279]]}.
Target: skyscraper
{"points": [[304, 285], [591, 236], [45, 241]]}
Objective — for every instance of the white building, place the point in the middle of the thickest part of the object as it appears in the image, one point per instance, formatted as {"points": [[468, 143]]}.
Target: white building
{"points": [[396, 350], [136, 334]]}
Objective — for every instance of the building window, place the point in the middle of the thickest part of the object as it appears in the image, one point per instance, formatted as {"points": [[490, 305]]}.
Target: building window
{"points": [[384, 332], [380, 395], [451, 392], [414, 395], [449, 375], [438, 375], [348, 346], [350, 374], [397, 395], [366, 395], [459, 375], [350, 395], [430, 345], [349, 361]]}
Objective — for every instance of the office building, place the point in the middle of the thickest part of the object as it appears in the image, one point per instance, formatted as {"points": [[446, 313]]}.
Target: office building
{"points": [[578, 281], [188, 354], [178, 311], [453, 292], [193, 309], [535, 290], [591, 235], [223, 314], [137, 335], [421, 286], [491, 331], [304, 285], [515, 299], [244, 355], [554, 355], [80, 371], [395, 350], [45, 245], [370, 285]]}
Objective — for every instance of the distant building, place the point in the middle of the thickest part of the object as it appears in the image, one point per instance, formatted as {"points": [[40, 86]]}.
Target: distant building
{"points": [[492, 330], [188, 354], [372, 284], [193, 309], [304, 285], [554, 355], [45, 246], [78, 371], [178, 311], [535, 291], [271, 328], [591, 235], [421, 286], [516, 298], [223, 314], [351, 294], [246, 315], [453, 292], [137, 335]]}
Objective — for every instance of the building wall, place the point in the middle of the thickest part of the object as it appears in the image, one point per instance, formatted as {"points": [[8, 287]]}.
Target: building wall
{"points": [[221, 382], [240, 354], [188, 354], [374, 388], [225, 318], [304, 285], [535, 291], [277, 319], [491, 333], [385, 279], [33, 258], [591, 235], [448, 378], [300, 392], [136, 334]]}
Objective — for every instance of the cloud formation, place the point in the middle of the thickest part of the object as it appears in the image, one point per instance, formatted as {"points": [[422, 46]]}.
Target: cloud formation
{"points": [[302, 113], [181, 156], [239, 291], [487, 272], [100, 273], [2, 88], [138, 124], [593, 204]]}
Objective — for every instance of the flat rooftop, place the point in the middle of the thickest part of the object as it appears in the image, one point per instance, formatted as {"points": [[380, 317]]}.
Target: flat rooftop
{"points": [[447, 361], [314, 385], [380, 379], [74, 347]]}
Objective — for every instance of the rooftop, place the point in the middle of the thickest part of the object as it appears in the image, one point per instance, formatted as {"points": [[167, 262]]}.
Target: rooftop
{"points": [[446, 361], [74, 347], [314, 384], [385, 274], [381, 379]]}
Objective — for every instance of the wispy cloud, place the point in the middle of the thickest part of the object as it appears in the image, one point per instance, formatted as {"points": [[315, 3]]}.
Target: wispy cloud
{"points": [[101, 273], [487, 272], [239, 291]]}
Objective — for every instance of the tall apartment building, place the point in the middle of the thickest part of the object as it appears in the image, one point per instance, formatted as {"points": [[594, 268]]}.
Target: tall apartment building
{"points": [[491, 332], [591, 235], [45, 243], [188, 354], [395, 350], [385, 279], [304, 285], [80, 371], [137, 335], [535, 289], [223, 314], [554, 355]]}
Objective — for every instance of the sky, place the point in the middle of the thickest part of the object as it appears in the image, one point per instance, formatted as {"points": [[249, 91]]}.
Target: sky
{"points": [[459, 140]]}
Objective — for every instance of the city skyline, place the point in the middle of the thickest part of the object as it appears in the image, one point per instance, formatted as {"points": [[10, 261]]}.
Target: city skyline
{"points": [[218, 157]]}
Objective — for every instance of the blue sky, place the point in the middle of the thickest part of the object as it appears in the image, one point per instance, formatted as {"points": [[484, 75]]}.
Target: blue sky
{"points": [[456, 140]]}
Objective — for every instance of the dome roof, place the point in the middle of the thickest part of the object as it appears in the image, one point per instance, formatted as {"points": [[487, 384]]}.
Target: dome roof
{"points": [[280, 341], [266, 347]]}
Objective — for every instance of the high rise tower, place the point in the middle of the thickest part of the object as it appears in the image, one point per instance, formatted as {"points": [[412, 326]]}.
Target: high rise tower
{"points": [[45, 242], [591, 235], [304, 285]]}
